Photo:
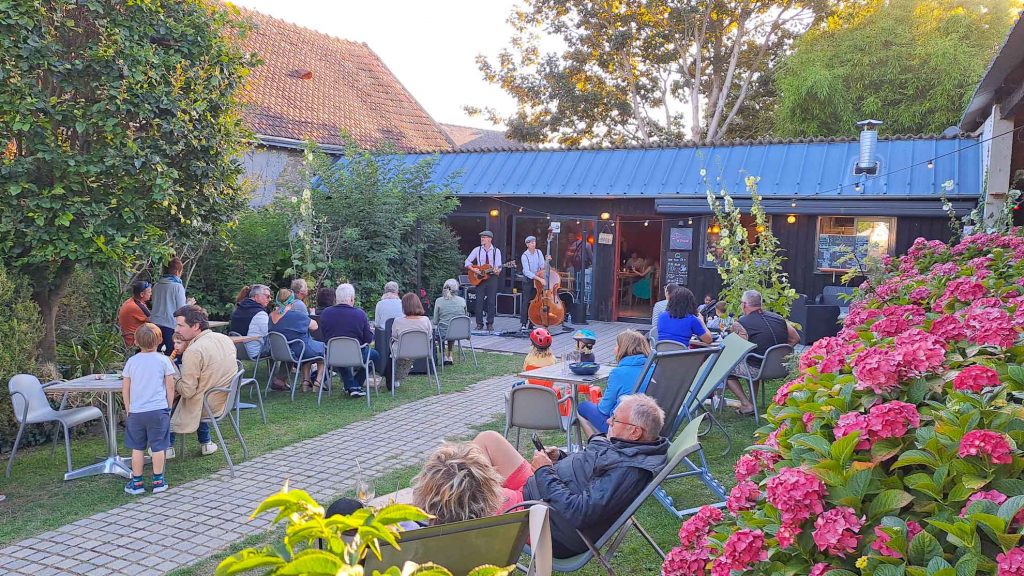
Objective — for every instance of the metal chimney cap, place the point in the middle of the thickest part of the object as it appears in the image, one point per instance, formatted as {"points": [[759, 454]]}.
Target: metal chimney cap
{"points": [[869, 124]]}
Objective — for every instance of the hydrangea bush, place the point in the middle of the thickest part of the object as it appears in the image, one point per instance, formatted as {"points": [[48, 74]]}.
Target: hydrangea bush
{"points": [[894, 451]]}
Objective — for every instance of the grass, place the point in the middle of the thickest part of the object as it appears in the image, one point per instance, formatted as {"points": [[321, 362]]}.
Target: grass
{"points": [[38, 499], [635, 556]]}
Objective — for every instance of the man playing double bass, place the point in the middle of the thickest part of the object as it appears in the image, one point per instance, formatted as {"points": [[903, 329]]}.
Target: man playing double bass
{"points": [[486, 255], [532, 260]]}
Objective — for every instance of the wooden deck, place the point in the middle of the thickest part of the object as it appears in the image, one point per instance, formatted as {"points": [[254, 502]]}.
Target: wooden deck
{"points": [[563, 342]]}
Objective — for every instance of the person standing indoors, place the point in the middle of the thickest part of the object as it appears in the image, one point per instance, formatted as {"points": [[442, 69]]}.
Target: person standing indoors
{"points": [[580, 257], [533, 266], [168, 297], [487, 291], [134, 312]]}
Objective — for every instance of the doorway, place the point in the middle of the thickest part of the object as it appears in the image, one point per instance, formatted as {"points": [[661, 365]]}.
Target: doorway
{"points": [[638, 268]]}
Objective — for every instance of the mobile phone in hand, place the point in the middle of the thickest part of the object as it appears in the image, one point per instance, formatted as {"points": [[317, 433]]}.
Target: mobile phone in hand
{"points": [[536, 442]]}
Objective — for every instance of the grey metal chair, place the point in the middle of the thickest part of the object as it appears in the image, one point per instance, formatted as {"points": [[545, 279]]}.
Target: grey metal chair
{"points": [[281, 353], [773, 365], [533, 407], [213, 418], [413, 346], [243, 354], [30, 405], [456, 330], [345, 352], [253, 385]]}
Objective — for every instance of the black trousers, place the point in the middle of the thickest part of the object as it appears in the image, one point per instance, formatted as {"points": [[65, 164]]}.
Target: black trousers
{"points": [[529, 292], [487, 291]]}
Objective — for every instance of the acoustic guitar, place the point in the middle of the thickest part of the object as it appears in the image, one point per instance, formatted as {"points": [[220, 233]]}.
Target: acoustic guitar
{"points": [[482, 272]]}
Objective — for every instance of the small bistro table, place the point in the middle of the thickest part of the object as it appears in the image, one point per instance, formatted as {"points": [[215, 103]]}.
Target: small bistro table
{"points": [[559, 372], [107, 384]]}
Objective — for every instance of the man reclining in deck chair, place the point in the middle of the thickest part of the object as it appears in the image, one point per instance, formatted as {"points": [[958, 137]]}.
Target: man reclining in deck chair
{"points": [[587, 490]]}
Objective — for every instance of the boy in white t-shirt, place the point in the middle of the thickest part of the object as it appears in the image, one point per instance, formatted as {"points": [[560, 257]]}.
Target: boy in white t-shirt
{"points": [[148, 394]]}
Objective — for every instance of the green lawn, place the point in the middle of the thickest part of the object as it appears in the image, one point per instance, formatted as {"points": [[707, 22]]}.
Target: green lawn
{"points": [[38, 499], [635, 556]]}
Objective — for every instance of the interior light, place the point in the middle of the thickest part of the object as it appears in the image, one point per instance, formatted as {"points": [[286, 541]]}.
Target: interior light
{"points": [[494, 213], [605, 215], [791, 219], [793, 203], [760, 228], [689, 221], [715, 229], [931, 164]]}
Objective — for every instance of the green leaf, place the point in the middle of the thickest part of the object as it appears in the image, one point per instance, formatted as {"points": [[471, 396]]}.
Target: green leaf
{"points": [[885, 449], [967, 566], [396, 513], [1010, 486], [889, 570], [842, 449], [888, 501], [839, 572], [245, 561], [1010, 508], [924, 548], [491, 571], [916, 457], [312, 561], [812, 442], [937, 563], [1016, 371]]}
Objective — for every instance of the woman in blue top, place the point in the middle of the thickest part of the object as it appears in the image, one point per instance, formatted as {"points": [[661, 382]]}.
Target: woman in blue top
{"points": [[295, 325], [680, 322], [631, 352]]}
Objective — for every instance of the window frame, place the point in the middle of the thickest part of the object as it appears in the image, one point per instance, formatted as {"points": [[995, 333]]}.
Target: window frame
{"points": [[890, 241]]}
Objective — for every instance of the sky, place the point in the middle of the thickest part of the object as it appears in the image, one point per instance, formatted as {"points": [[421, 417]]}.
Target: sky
{"points": [[431, 47]]}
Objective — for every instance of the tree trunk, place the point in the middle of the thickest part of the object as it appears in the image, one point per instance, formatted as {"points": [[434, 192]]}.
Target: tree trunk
{"points": [[47, 291]]}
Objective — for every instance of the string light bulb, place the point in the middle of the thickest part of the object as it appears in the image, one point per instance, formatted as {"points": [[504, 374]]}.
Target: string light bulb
{"points": [[760, 228], [689, 221], [793, 203], [549, 216], [605, 215], [647, 222], [494, 213], [520, 209], [931, 164], [715, 229], [791, 219], [856, 187]]}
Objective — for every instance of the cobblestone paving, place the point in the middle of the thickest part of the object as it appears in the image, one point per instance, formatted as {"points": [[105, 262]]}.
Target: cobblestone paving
{"points": [[194, 520]]}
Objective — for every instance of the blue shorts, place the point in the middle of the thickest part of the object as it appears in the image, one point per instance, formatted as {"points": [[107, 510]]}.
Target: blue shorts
{"points": [[148, 430]]}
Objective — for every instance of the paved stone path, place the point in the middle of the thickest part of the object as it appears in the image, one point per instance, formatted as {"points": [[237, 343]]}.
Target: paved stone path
{"points": [[162, 532]]}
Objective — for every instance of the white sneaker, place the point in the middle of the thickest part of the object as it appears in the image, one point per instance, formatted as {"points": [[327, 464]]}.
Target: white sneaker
{"points": [[208, 448], [169, 453]]}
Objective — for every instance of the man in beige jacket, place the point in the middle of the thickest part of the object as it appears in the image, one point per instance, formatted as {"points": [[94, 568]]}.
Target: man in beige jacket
{"points": [[207, 361]]}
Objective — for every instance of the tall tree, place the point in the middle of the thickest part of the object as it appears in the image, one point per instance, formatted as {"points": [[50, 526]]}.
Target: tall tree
{"points": [[122, 124], [641, 71], [911, 63]]}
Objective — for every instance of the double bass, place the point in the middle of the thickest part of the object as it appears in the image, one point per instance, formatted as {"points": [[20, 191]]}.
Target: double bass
{"points": [[546, 308]]}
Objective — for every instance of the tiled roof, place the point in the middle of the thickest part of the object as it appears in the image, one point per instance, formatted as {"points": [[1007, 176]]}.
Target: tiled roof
{"points": [[313, 86], [468, 139]]}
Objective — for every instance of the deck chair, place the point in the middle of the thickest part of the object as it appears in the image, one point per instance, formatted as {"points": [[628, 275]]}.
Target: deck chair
{"points": [[462, 546], [685, 444]]}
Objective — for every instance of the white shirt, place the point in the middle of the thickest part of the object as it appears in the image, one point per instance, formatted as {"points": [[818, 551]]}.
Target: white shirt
{"points": [[258, 326], [481, 256], [146, 371], [532, 263]]}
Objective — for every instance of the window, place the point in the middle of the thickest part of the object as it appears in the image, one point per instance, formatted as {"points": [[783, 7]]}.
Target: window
{"points": [[712, 251], [845, 240]]}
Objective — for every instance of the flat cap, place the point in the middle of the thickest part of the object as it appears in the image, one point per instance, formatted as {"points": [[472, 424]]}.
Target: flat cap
{"points": [[487, 234]]}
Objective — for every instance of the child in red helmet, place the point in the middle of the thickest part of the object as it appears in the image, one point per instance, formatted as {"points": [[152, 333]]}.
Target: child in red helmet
{"points": [[540, 354]]}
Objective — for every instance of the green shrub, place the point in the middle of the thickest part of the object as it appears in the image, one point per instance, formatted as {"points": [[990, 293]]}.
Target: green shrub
{"points": [[21, 329]]}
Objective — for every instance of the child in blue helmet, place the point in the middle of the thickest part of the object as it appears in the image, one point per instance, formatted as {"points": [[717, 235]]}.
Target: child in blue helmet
{"points": [[585, 340]]}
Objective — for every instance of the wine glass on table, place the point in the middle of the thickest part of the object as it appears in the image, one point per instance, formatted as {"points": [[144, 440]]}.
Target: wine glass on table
{"points": [[365, 491]]}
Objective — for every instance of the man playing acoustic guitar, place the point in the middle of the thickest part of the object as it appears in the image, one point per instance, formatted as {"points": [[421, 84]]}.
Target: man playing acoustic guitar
{"points": [[484, 264]]}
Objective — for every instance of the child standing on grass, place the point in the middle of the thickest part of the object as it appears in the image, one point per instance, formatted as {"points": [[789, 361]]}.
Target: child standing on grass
{"points": [[148, 394]]}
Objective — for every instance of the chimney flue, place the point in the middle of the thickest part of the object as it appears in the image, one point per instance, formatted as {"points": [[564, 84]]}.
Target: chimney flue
{"points": [[866, 164]]}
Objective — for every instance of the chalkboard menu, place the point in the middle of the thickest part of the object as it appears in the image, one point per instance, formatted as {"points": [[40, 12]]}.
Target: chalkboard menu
{"points": [[835, 250], [680, 239], [676, 270]]}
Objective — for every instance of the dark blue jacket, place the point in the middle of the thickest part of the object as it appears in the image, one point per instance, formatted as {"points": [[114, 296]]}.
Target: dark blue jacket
{"points": [[345, 320], [588, 490]]}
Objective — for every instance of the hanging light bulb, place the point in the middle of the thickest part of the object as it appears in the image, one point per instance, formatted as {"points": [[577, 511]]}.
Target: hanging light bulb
{"points": [[647, 222], [760, 228], [494, 213], [577, 222], [689, 221], [791, 219], [793, 203], [605, 215], [715, 229], [856, 187], [931, 164], [549, 216], [520, 209]]}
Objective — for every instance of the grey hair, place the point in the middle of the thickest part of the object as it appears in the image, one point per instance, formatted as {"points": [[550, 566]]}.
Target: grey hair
{"points": [[391, 287], [299, 285], [752, 298], [645, 413], [345, 293], [260, 289], [451, 288]]}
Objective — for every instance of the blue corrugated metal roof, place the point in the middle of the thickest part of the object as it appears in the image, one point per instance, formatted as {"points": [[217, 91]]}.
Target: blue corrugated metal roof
{"points": [[806, 168]]}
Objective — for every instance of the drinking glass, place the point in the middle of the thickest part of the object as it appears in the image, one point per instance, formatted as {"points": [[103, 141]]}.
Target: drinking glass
{"points": [[364, 490]]}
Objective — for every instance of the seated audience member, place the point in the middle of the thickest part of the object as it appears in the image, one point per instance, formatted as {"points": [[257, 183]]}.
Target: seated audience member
{"points": [[719, 320], [635, 262], [540, 355], [293, 324], [301, 291], [449, 306], [345, 320], [588, 490], [325, 298], [389, 306], [134, 312], [207, 361], [413, 320], [660, 307], [458, 483], [631, 352], [764, 328], [708, 301], [250, 319], [679, 322]]}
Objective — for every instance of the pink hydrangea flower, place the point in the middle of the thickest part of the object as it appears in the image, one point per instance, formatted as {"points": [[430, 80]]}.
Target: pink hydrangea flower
{"points": [[694, 532], [991, 495], [742, 497], [836, 532], [851, 422], [897, 319], [742, 549], [882, 539], [975, 379], [1010, 563], [876, 369], [782, 394], [797, 494], [920, 294], [964, 290], [808, 419], [918, 352], [772, 441], [828, 355], [989, 325], [746, 467], [858, 315], [787, 534], [819, 569], [988, 445], [686, 562], [891, 420], [949, 328]]}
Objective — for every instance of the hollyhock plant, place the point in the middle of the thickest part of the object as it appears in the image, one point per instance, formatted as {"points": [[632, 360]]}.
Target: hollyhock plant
{"points": [[895, 439]]}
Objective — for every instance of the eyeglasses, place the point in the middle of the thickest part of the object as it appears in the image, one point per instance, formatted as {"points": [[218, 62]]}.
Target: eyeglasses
{"points": [[615, 420]]}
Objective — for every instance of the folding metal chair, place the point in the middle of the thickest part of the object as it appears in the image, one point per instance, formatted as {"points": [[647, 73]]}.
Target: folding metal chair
{"points": [[253, 385], [413, 346], [537, 408], [213, 418], [345, 352], [773, 365], [243, 354], [281, 353], [456, 330]]}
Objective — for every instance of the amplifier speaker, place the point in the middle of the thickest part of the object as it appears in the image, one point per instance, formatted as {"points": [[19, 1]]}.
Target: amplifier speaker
{"points": [[509, 304]]}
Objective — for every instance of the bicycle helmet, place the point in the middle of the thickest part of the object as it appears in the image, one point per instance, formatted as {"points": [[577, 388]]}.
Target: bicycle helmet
{"points": [[585, 336], [540, 338]]}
